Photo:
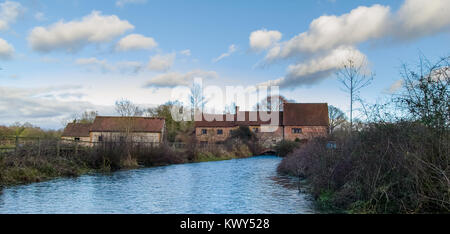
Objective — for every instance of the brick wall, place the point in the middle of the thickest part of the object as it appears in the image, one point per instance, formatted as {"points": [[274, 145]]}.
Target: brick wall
{"points": [[212, 136], [307, 132]]}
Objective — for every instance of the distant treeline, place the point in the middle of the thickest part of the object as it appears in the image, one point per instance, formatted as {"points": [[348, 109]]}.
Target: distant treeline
{"points": [[28, 130]]}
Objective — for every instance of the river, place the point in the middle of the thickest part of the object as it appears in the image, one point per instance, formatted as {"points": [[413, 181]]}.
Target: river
{"points": [[225, 187]]}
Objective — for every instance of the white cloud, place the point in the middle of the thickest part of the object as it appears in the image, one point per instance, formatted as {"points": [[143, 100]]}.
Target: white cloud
{"points": [[6, 50], [73, 35], [40, 16], [186, 52], [231, 49], [263, 39], [418, 18], [94, 64], [173, 79], [44, 106], [47, 59], [161, 62], [316, 69], [328, 34], [122, 3], [136, 42], [395, 86], [9, 12]]}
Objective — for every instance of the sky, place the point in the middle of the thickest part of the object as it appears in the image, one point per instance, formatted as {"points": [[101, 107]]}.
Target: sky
{"points": [[62, 57]]}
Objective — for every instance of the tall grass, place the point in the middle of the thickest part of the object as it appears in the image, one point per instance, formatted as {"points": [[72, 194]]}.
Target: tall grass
{"points": [[385, 168], [33, 162]]}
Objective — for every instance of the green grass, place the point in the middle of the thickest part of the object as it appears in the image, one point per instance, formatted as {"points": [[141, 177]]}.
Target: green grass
{"points": [[210, 157]]}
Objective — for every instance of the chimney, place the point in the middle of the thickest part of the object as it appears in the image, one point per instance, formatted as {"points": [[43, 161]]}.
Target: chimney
{"points": [[236, 109]]}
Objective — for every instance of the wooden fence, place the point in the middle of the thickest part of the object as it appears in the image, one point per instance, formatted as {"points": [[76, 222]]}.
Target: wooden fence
{"points": [[57, 146]]}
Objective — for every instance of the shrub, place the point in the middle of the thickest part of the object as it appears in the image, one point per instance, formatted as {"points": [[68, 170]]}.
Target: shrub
{"points": [[385, 168], [286, 147]]}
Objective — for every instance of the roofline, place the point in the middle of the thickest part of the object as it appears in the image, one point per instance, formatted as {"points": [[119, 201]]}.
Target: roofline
{"points": [[143, 117], [125, 131], [288, 103]]}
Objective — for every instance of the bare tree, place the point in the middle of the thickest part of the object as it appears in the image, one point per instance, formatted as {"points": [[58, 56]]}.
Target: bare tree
{"points": [[126, 108], [336, 116], [87, 117], [198, 101], [354, 76], [272, 103], [230, 109], [426, 92]]}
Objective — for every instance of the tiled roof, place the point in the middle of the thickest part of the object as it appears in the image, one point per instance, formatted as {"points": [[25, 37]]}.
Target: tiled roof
{"points": [[77, 130], [305, 114], [133, 124], [294, 114], [245, 118]]}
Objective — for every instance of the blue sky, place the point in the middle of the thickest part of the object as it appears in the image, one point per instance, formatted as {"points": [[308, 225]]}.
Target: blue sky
{"points": [[62, 57]]}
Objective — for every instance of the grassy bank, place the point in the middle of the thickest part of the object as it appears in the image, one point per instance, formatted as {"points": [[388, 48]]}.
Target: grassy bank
{"points": [[385, 168], [222, 153], [27, 166]]}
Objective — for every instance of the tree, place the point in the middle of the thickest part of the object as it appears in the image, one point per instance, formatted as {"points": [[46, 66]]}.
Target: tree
{"points": [[174, 128], [426, 92], [230, 109], [336, 117], [126, 108], [198, 101], [88, 117], [354, 76], [85, 118], [244, 134], [272, 103]]}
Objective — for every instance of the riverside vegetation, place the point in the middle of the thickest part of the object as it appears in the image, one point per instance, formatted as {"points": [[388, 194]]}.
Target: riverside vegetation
{"points": [[396, 162], [32, 162]]}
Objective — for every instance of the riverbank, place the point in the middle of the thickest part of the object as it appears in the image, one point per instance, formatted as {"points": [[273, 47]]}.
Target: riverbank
{"points": [[26, 167], [385, 168], [241, 186]]}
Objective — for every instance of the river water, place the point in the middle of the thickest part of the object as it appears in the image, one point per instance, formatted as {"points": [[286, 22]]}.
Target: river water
{"points": [[226, 187]]}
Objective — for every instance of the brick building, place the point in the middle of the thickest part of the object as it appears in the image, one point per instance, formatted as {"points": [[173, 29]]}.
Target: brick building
{"points": [[116, 129], [297, 121]]}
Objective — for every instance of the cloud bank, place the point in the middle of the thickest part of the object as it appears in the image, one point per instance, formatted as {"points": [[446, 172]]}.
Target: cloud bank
{"points": [[331, 39], [73, 35], [6, 50], [161, 62], [9, 12], [173, 79]]}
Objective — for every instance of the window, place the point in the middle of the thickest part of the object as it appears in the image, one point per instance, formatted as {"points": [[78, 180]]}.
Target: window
{"points": [[255, 130], [203, 142], [100, 138], [204, 131], [219, 131], [77, 139], [122, 139], [296, 130]]}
